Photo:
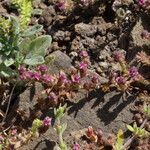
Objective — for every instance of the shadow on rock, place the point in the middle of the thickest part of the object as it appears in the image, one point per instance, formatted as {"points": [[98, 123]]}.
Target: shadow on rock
{"points": [[113, 107], [45, 145], [75, 107]]}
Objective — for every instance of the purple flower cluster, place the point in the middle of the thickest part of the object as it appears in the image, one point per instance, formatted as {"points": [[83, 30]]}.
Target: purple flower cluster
{"points": [[62, 77], [141, 2], [40, 74], [14, 131], [83, 66], [52, 97], [46, 78], [75, 78], [133, 73], [76, 146], [42, 68], [83, 54], [61, 5], [47, 121], [120, 80], [118, 56], [63, 85], [145, 34], [144, 3]]}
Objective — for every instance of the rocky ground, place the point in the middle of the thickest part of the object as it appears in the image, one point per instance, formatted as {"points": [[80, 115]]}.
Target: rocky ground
{"points": [[93, 29]]}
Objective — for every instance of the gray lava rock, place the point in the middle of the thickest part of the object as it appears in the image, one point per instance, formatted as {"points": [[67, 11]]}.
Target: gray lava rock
{"points": [[47, 16], [61, 62], [85, 29], [62, 36], [76, 44]]}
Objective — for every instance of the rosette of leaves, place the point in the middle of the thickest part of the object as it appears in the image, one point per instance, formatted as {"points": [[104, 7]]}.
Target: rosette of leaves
{"points": [[137, 131], [20, 46]]}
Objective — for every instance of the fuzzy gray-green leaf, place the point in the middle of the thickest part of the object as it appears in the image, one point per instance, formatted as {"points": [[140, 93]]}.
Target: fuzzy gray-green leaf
{"points": [[40, 45], [32, 30], [6, 71], [34, 60]]}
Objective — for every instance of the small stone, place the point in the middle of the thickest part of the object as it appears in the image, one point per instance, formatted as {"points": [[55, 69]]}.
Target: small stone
{"points": [[85, 29], [62, 36], [61, 62]]}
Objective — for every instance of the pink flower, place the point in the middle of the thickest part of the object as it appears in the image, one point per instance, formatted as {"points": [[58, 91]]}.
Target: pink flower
{"points": [[145, 34], [118, 56], [83, 66], [120, 80], [35, 76], [141, 2], [22, 69], [14, 131], [61, 6], [83, 54], [75, 78], [47, 121], [95, 79], [26, 75], [52, 96], [62, 77], [133, 72], [47, 78], [76, 146], [42, 68]]}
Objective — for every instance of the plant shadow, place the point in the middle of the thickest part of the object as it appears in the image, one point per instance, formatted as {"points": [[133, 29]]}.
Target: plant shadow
{"points": [[113, 107]]}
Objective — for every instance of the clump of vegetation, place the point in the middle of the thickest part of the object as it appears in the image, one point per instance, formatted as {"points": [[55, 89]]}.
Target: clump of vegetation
{"points": [[25, 9], [20, 46], [23, 59], [15, 137]]}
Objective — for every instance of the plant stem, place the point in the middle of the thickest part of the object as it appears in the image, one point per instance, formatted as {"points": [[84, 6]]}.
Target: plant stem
{"points": [[9, 100], [130, 140]]}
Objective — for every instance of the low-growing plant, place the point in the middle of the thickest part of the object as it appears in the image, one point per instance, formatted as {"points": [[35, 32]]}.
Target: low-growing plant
{"points": [[16, 137], [123, 76], [25, 9], [146, 110], [62, 86], [118, 145], [137, 131], [60, 127], [20, 46]]}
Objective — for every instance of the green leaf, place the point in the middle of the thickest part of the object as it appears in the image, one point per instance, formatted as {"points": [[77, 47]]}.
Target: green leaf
{"points": [[49, 60], [120, 140], [8, 62], [24, 47], [120, 137], [59, 112], [64, 127], [40, 45], [36, 124], [1, 59], [130, 128], [32, 30], [6, 71], [34, 60], [15, 25]]}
